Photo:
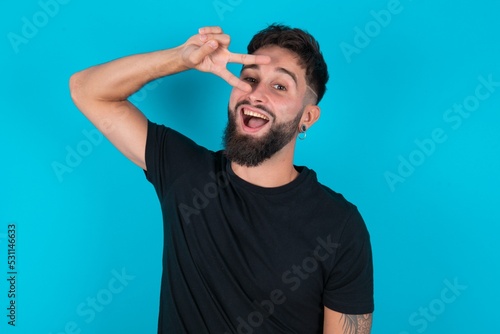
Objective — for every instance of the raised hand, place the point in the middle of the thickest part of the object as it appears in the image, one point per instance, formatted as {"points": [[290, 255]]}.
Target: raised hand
{"points": [[208, 52]]}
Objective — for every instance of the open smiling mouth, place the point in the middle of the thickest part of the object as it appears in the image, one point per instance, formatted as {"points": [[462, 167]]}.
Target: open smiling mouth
{"points": [[252, 120]]}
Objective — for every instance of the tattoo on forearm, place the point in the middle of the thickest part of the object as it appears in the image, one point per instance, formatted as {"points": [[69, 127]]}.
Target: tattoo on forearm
{"points": [[356, 324]]}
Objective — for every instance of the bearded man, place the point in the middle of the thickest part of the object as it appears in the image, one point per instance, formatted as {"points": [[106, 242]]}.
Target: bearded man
{"points": [[252, 243]]}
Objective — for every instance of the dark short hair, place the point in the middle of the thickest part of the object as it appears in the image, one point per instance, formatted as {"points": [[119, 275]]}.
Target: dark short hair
{"points": [[301, 43]]}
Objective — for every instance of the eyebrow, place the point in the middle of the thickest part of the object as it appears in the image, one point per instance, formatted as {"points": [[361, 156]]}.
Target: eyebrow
{"points": [[277, 69]]}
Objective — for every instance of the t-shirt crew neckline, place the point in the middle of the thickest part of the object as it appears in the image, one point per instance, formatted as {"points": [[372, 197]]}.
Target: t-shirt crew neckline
{"points": [[294, 184]]}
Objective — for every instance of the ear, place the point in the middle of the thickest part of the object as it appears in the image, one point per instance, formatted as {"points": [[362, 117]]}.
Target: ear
{"points": [[310, 116]]}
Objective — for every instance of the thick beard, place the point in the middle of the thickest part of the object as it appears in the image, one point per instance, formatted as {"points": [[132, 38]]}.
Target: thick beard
{"points": [[249, 151]]}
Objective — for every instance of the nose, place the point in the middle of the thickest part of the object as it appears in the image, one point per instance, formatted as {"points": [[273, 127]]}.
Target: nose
{"points": [[258, 93]]}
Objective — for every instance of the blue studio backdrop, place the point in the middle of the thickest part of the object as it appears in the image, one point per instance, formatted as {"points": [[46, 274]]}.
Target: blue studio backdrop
{"points": [[408, 132]]}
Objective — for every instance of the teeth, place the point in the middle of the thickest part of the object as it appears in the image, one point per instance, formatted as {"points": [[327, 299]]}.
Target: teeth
{"points": [[254, 114]]}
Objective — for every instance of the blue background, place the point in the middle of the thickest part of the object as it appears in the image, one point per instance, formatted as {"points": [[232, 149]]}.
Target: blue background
{"points": [[433, 225]]}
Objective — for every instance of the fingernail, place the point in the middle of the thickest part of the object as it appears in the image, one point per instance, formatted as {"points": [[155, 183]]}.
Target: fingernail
{"points": [[213, 44], [203, 38]]}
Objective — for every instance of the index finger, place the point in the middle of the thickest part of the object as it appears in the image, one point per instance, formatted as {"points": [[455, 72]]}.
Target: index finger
{"points": [[234, 81], [246, 59]]}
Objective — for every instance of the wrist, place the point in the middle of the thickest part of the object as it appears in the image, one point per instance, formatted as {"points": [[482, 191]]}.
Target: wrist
{"points": [[167, 62]]}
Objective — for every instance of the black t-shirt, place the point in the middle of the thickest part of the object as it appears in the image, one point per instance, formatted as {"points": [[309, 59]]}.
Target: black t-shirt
{"points": [[239, 258]]}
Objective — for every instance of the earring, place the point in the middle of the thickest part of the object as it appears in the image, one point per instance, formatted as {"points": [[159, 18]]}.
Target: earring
{"points": [[302, 133]]}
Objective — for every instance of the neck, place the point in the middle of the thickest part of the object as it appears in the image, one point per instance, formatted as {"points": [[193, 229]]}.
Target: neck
{"points": [[274, 172]]}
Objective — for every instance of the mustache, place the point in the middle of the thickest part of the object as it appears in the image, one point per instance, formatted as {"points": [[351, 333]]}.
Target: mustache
{"points": [[257, 106]]}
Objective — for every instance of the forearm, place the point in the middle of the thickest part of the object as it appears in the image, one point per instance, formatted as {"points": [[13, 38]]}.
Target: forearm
{"points": [[101, 92], [118, 79]]}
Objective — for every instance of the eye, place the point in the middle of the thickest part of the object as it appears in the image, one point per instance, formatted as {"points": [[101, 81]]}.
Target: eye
{"points": [[279, 87], [250, 79]]}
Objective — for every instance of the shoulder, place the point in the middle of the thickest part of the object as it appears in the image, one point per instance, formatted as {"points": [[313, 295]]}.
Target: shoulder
{"points": [[160, 132], [329, 198], [161, 138], [170, 155], [338, 212]]}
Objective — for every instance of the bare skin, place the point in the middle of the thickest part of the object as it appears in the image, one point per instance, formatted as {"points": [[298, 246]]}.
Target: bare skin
{"points": [[272, 77], [101, 92], [338, 323]]}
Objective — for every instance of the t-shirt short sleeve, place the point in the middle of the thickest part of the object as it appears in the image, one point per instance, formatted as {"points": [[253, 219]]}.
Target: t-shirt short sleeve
{"points": [[349, 288], [169, 155]]}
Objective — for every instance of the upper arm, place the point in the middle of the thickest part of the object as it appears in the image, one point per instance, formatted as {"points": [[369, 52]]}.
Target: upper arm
{"points": [[339, 323], [120, 122]]}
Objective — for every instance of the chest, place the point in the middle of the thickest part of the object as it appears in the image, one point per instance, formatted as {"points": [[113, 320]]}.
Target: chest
{"points": [[272, 249]]}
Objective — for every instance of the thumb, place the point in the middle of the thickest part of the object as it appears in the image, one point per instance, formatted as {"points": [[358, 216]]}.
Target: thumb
{"points": [[199, 54]]}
